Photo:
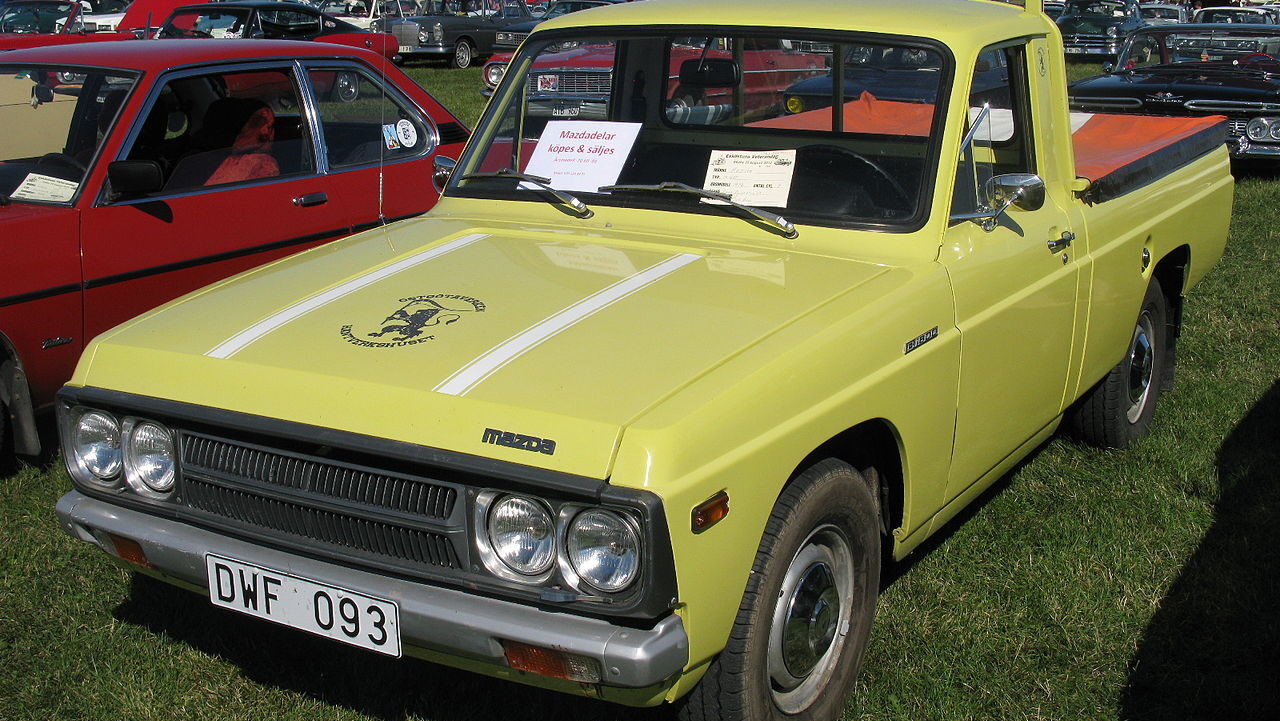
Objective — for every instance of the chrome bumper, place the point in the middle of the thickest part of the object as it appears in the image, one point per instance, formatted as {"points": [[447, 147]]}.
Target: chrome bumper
{"points": [[1241, 147], [433, 619]]}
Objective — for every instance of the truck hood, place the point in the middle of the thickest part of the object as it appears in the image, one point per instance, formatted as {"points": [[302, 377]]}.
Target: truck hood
{"points": [[540, 333]]}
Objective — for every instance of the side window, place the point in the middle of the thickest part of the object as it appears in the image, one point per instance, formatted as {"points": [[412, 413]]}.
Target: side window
{"points": [[362, 124], [223, 128], [289, 24], [999, 129]]}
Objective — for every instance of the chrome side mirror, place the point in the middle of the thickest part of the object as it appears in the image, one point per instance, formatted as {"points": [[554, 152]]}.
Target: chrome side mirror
{"points": [[1024, 191], [442, 166]]}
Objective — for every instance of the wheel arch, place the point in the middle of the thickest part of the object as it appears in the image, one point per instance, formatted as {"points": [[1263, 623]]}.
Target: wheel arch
{"points": [[873, 444], [1171, 272], [16, 396]]}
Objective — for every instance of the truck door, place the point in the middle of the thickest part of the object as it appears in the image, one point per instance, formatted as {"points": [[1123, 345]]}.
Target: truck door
{"points": [[1015, 285]]}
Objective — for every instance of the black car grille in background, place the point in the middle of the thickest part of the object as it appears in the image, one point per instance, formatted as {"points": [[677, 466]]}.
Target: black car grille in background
{"points": [[350, 510], [1087, 41], [574, 83], [406, 33], [1236, 127]]}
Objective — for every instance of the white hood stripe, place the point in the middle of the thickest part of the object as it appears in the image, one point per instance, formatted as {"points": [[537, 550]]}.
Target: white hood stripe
{"points": [[493, 360], [239, 341]]}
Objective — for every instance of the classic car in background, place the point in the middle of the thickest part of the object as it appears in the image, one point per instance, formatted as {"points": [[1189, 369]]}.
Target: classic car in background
{"points": [[1054, 9], [131, 173], [38, 23], [576, 82], [459, 30], [363, 14], [1097, 27], [510, 38], [1164, 13], [1210, 69], [1247, 15], [903, 75], [265, 19]]}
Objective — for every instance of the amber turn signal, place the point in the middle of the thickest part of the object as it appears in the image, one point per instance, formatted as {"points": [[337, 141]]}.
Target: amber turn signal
{"points": [[710, 512], [550, 662], [129, 550]]}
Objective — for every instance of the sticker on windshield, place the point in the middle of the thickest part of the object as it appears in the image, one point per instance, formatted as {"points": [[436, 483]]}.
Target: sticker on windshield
{"points": [[45, 187], [582, 154], [752, 177], [407, 133], [390, 137]]}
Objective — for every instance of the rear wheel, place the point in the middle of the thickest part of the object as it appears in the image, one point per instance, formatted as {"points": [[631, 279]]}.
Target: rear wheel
{"points": [[462, 54], [346, 87], [803, 624], [1118, 411]]}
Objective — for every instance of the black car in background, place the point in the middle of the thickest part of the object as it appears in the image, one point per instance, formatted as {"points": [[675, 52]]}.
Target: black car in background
{"points": [[458, 30], [1197, 69], [1094, 28], [510, 37]]}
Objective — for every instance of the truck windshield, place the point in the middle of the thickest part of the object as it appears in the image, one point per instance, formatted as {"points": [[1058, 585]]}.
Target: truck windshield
{"points": [[826, 131], [54, 121]]}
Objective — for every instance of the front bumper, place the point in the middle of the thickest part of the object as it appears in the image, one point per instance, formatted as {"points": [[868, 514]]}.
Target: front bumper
{"points": [[1109, 50], [429, 49], [1242, 147], [434, 622]]}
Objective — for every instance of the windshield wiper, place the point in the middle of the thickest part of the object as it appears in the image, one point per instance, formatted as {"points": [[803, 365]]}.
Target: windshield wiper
{"points": [[787, 227], [578, 206]]}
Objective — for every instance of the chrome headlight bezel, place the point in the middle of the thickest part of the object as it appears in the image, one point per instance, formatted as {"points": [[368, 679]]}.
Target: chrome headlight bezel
{"points": [[487, 504], [493, 74], [144, 474], [103, 472], [580, 577]]}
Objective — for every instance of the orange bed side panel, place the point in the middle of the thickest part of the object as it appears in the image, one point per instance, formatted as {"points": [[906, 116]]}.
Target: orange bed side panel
{"points": [[1106, 143]]}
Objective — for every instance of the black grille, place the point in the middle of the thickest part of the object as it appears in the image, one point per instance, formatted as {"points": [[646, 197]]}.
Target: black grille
{"points": [[201, 454], [346, 532], [453, 133]]}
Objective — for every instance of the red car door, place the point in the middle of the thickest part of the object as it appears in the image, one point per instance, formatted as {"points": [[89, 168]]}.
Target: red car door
{"points": [[241, 186]]}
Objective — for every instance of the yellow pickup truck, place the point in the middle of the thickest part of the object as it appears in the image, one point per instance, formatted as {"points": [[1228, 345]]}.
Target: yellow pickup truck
{"points": [[637, 409]]}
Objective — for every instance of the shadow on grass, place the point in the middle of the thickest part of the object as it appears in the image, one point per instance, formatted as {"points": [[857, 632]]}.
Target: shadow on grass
{"points": [[1212, 650], [380, 687]]}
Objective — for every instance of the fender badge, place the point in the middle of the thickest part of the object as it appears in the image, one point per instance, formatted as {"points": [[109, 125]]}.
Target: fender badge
{"points": [[405, 325], [521, 442], [920, 340]]}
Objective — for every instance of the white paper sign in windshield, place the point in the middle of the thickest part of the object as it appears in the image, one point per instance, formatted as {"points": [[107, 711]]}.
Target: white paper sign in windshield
{"points": [[752, 177], [45, 187], [582, 154]]}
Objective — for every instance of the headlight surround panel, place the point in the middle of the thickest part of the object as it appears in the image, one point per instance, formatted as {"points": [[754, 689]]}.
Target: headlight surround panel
{"points": [[141, 455], [652, 593]]}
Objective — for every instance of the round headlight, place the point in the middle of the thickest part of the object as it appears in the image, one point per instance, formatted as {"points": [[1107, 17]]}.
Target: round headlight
{"points": [[795, 104], [1258, 128], [149, 457], [522, 535], [493, 73], [1275, 130], [604, 549], [96, 443]]}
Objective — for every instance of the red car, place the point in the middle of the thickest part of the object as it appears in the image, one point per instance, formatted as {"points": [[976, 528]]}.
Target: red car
{"points": [[132, 173], [38, 23]]}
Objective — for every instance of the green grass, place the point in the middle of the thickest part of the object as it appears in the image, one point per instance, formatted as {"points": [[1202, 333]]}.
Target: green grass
{"points": [[1142, 584]]}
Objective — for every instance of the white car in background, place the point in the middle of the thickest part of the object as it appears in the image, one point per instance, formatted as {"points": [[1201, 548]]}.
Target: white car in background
{"points": [[1164, 13]]}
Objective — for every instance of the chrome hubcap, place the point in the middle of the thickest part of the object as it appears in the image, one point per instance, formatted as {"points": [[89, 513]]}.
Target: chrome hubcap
{"points": [[810, 620], [1141, 362]]}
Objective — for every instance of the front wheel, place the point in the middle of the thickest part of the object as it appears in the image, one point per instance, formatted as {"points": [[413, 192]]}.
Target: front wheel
{"points": [[462, 55], [1118, 410], [803, 624]]}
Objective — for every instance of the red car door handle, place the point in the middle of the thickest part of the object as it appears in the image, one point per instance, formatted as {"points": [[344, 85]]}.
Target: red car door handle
{"points": [[310, 199]]}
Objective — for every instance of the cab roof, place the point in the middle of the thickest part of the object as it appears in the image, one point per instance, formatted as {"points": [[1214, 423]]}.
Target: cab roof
{"points": [[158, 55], [957, 23]]}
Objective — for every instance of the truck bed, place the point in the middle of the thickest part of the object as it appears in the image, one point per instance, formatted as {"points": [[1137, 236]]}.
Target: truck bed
{"points": [[1121, 153]]}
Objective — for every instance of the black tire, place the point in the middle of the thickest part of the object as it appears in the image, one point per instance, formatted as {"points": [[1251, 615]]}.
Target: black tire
{"points": [[7, 460], [1118, 410], [463, 54], [346, 87], [821, 544]]}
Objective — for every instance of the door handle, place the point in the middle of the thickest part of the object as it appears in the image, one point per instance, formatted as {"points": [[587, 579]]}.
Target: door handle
{"points": [[310, 199], [1057, 244]]}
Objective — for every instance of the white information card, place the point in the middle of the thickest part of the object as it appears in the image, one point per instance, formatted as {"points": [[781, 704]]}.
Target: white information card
{"points": [[45, 187], [582, 154], [752, 177]]}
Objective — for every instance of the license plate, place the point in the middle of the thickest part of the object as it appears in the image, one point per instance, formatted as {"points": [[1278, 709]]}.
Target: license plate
{"points": [[318, 608], [406, 48], [1074, 50], [565, 111]]}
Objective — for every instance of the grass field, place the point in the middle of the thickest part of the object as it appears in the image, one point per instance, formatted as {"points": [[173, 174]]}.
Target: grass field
{"points": [[1142, 584]]}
